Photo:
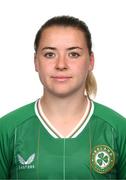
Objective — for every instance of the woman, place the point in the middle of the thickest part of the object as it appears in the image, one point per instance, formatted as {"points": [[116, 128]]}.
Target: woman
{"points": [[64, 134]]}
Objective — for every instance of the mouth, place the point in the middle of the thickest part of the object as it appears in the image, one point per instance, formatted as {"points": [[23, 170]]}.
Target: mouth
{"points": [[61, 78]]}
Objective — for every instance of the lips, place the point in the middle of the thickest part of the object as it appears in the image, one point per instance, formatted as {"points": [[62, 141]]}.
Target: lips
{"points": [[61, 78]]}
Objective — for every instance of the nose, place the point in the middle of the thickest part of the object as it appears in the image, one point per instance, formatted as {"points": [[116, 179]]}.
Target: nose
{"points": [[61, 63]]}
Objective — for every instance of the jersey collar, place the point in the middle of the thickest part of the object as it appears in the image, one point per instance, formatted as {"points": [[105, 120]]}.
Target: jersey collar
{"points": [[54, 132]]}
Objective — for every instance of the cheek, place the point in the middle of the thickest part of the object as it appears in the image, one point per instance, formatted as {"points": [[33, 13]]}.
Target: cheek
{"points": [[81, 68], [44, 71]]}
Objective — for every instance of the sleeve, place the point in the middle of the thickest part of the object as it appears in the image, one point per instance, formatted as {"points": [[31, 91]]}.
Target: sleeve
{"points": [[4, 152], [122, 151]]}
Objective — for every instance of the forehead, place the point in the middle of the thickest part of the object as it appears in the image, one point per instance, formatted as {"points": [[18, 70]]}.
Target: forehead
{"points": [[63, 35]]}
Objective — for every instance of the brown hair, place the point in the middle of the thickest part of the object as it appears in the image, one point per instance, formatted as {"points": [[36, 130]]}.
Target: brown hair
{"points": [[91, 85]]}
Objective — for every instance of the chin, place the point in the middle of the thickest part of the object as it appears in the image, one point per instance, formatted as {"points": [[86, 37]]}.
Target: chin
{"points": [[63, 91], [63, 94]]}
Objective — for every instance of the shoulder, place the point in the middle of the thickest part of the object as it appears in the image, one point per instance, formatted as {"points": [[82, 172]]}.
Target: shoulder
{"points": [[112, 126], [16, 117], [109, 116]]}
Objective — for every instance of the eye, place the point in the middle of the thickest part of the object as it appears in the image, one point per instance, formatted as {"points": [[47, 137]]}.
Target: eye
{"points": [[74, 54], [49, 55]]}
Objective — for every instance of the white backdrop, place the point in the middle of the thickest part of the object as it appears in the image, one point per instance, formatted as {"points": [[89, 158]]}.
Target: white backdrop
{"points": [[21, 19]]}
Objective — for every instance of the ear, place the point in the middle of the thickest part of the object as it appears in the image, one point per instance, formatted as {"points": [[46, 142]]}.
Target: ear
{"points": [[35, 62], [91, 63]]}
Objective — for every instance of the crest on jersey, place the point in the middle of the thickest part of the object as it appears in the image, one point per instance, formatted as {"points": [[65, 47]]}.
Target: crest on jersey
{"points": [[102, 159], [26, 164]]}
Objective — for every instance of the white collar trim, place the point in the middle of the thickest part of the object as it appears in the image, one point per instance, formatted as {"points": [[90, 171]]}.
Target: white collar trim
{"points": [[53, 131]]}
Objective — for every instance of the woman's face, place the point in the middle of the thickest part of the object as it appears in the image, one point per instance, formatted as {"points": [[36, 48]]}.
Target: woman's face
{"points": [[63, 61]]}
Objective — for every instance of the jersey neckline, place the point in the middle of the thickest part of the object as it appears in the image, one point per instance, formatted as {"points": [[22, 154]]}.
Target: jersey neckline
{"points": [[54, 132]]}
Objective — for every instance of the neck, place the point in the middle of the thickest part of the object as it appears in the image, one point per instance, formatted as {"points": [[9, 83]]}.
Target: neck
{"points": [[63, 106]]}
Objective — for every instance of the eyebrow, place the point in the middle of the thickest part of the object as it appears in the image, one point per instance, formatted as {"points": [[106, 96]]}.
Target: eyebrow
{"points": [[70, 48], [52, 48], [74, 47]]}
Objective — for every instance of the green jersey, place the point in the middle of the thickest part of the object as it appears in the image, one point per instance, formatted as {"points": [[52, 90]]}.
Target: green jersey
{"points": [[31, 149]]}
